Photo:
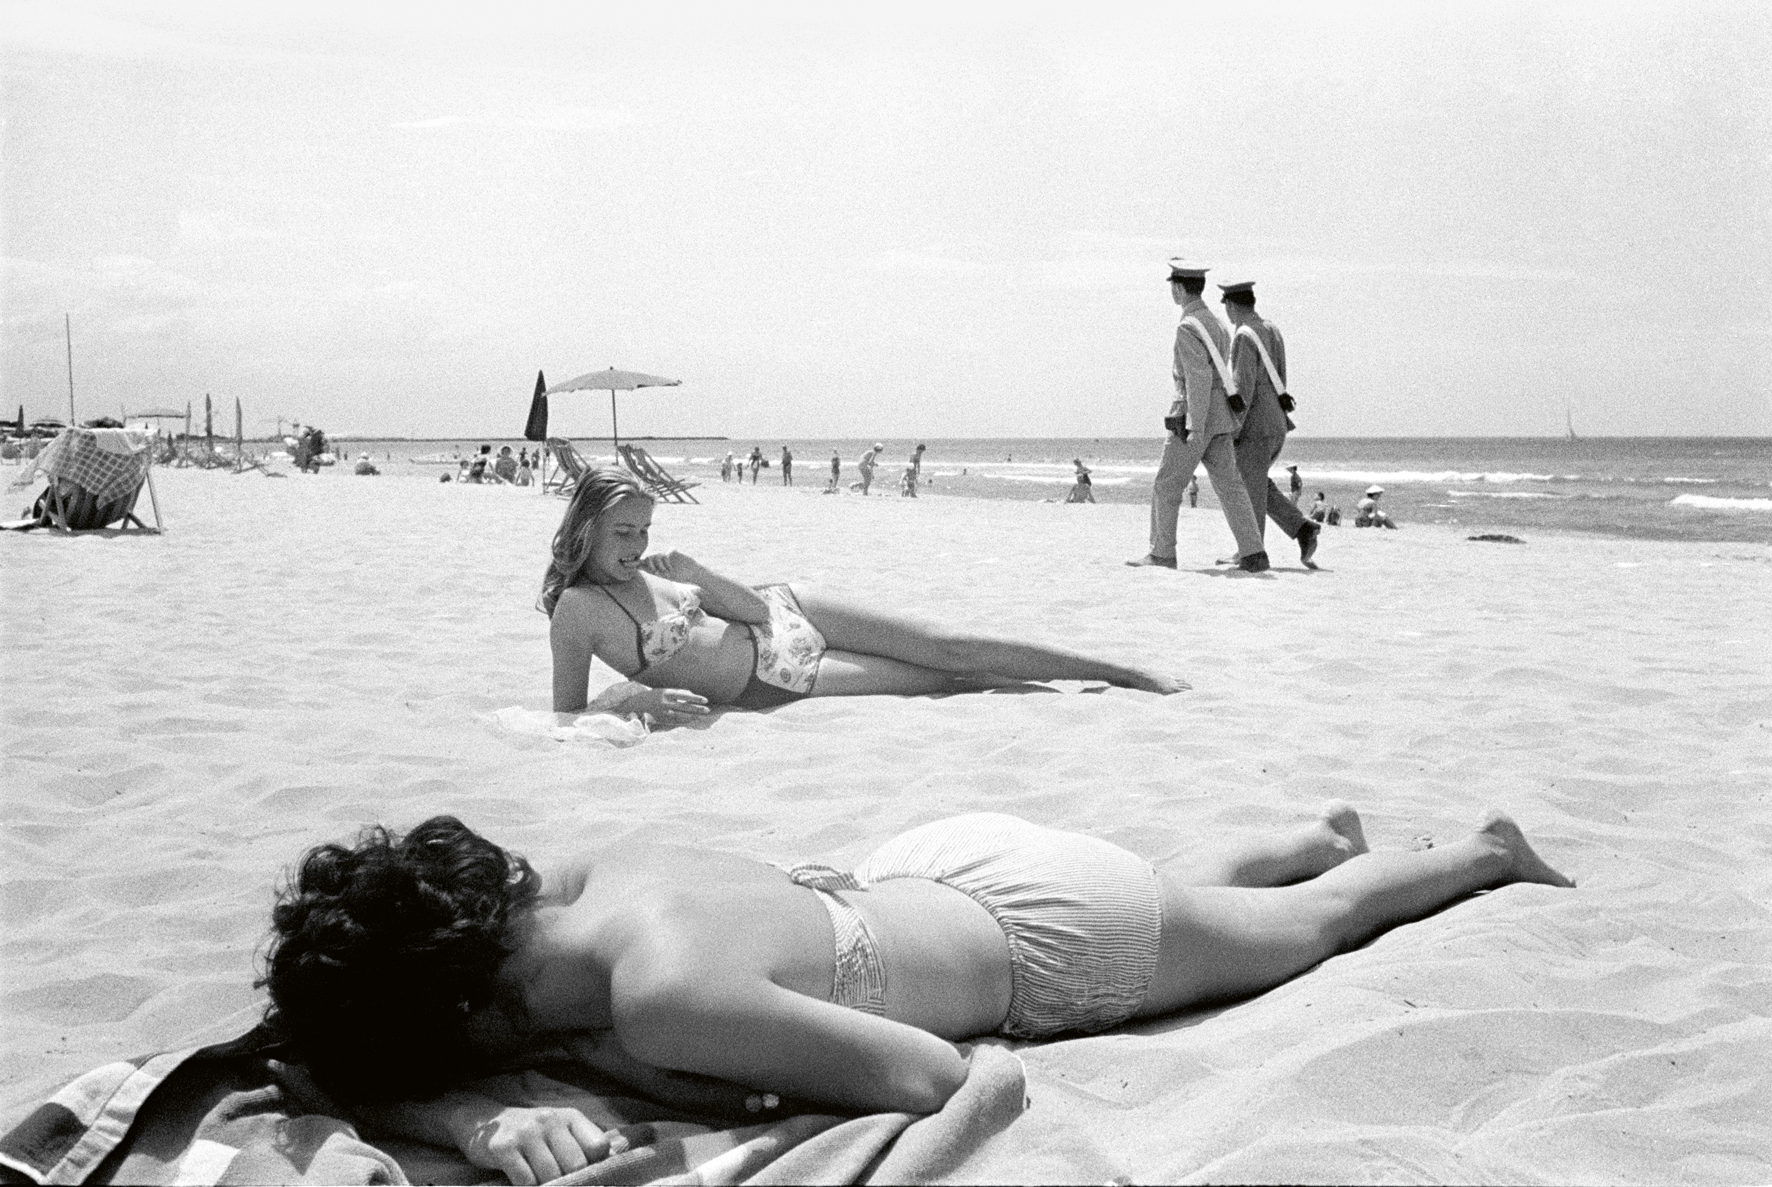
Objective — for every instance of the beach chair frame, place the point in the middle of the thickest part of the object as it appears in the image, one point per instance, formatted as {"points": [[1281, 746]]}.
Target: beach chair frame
{"points": [[568, 467], [58, 513], [654, 477]]}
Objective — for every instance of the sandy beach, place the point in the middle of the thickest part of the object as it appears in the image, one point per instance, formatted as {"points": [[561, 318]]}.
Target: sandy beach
{"points": [[298, 656]]}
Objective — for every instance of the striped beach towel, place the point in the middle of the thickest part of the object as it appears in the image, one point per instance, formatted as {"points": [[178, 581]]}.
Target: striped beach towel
{"points": [[234, 1114]]}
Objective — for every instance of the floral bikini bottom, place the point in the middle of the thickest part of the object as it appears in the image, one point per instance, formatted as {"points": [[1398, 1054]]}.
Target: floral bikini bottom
{"points": [[788, 649]]}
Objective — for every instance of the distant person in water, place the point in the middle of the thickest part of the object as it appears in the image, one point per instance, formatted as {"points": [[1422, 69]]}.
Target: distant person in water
{"points": [[836, 472], [405, 965], [787, 466], [694, 638]]}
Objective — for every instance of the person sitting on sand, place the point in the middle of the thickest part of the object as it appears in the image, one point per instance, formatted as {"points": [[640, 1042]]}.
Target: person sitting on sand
{"points": [[1368, 514], [406, 965], [364, 466], [1083, 490], [697, 638]]}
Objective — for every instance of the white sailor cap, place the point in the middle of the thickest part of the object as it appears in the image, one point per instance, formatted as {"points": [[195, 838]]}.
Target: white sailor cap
{"points": [[1237, 284], [1181, 266]]}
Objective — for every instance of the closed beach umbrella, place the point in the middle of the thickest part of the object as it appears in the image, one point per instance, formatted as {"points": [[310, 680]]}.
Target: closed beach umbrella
{"points": [[612, 381], [536, 429]]}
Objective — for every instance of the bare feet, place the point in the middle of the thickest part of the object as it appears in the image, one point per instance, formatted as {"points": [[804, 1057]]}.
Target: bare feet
{"points": [[1524, 865], [1341, 819], [1322, 845], [1157, 682]]}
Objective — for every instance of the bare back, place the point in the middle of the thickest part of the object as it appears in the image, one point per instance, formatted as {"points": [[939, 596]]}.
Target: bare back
{"points": [[720, 918]]}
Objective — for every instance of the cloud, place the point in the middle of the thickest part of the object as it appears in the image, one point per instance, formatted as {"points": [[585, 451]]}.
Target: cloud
{"points": [[919, 263], [442, 121], [551, 118], [218, 226]]}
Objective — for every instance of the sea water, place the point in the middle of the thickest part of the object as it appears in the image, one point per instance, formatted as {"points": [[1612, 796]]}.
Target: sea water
{"points": [[1673, 488]]}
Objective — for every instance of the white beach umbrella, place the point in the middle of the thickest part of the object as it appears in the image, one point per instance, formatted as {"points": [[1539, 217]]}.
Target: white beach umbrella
{"points": [[612, 381]]}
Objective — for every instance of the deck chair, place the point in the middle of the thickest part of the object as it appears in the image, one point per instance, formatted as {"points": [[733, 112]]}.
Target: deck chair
{"points": [[568, 466], [90, 488], [655, 477]]}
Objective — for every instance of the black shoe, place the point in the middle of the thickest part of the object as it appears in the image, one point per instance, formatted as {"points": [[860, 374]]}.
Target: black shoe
{"points": [[1308, 534], [1152, 559], [1255, 562]]}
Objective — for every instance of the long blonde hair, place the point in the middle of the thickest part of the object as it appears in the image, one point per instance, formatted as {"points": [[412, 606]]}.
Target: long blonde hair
{"points": [[597, 491]]}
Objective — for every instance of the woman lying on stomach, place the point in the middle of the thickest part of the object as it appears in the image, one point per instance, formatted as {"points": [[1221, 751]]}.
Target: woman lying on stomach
{"points": [[406, 965], [696, 638]]}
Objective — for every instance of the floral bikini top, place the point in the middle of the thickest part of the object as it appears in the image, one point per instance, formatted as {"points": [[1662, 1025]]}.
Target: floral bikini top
{"points": [[664, 636]]}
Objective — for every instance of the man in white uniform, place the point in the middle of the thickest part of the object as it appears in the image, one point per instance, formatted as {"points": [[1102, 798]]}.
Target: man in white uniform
{"points": [[1202, 423]]}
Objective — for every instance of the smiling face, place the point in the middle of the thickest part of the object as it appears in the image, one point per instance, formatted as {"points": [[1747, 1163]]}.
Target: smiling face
{"points": [[619, 541]]}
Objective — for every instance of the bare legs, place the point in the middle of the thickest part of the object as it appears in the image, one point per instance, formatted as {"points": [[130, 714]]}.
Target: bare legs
{"points": [[1305, 852], [882, 653], [1244, 936]]}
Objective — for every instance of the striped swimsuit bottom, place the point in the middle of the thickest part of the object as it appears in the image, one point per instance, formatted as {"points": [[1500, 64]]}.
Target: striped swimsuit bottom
{"points": [[1081, 917]]}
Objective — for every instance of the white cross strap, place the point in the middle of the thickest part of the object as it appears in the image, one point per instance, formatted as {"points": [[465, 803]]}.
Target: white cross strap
{"points": [[1273, 375], [1224, 373]]}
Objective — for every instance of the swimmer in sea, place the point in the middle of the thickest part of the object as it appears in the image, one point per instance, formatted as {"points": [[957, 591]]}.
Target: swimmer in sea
{"points": [[404, 966], [686, 637]]}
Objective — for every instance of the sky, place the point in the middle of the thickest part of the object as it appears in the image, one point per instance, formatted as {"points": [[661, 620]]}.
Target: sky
{"points": [[938, 220]]}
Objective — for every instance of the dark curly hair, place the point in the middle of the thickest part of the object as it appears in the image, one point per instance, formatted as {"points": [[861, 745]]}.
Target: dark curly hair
{"points": [[382, 953]]}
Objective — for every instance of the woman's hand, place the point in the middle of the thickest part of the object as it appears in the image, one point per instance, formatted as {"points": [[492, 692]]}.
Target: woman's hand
{"points": [[673, 566], [529, 1145], [669, 706]]}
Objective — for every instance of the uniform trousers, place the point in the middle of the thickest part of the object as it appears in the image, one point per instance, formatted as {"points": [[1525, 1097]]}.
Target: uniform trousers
{"points": [[1255, 457], [1179, 461]]}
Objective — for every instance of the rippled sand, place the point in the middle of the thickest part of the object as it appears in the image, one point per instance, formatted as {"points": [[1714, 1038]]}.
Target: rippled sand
{"points": [[298, 656]]}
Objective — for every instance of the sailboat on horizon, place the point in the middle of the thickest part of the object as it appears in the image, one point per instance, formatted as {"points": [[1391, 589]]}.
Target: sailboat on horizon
{"points": [[1569, 420]]}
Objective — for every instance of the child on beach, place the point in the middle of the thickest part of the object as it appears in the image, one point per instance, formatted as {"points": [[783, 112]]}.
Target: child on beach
{"points": [[405, 965], [697, 638]]}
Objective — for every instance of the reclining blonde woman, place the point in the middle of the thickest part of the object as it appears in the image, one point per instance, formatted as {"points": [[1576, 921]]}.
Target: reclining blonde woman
{"points": [[405, 965], [696, 638]]}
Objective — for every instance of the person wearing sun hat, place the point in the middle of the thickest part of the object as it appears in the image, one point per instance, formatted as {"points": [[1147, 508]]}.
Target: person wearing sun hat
{"points": [[1202, 424], [1258, 361]]}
